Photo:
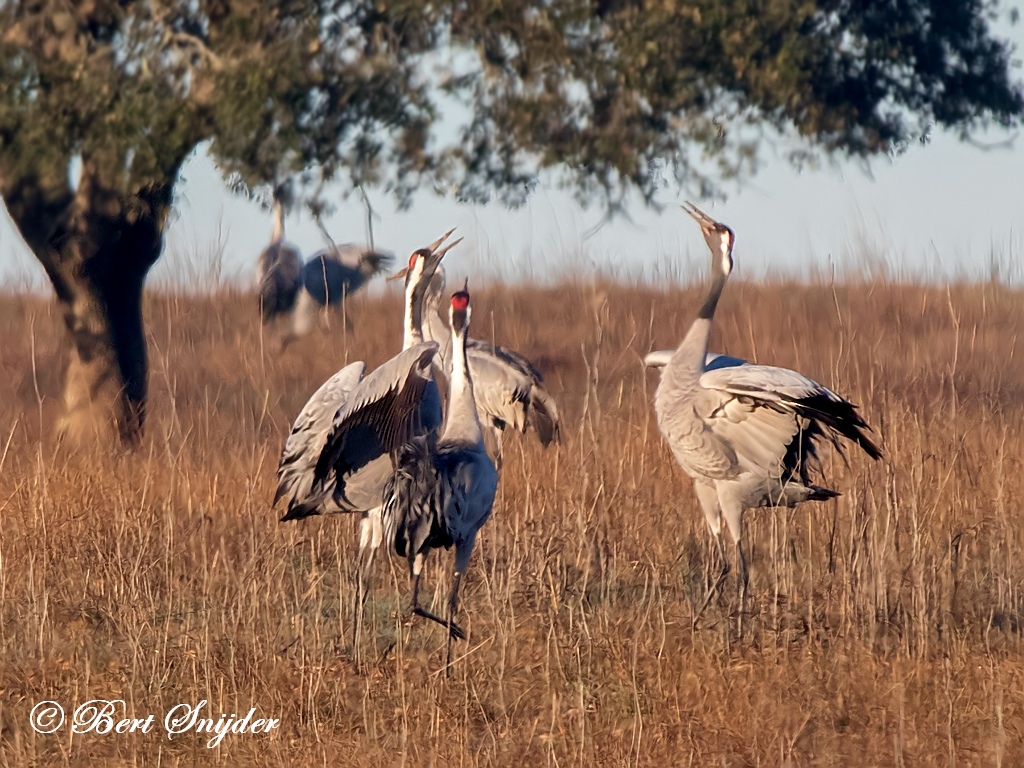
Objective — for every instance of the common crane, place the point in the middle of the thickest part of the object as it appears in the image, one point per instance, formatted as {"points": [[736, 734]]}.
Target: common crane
{"points": [[343, 446], [336, 458], [443, 488], [278, 272], [747, 434]]}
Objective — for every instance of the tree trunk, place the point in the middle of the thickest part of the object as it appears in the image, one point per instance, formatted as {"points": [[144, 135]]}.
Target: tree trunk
{"points": [[97, 248]]}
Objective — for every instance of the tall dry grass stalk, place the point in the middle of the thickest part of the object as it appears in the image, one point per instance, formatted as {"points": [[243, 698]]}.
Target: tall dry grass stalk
{"points": [[885, 626]]}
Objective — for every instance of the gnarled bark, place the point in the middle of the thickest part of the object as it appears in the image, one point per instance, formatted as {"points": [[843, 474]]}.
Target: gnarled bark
{"points": [[97, 247]]}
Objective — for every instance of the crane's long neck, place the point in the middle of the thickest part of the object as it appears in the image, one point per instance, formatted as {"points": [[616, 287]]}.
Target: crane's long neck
{"points": [[412, 334], [707, 310], [687, 363], [277, 235], [433, 326], [462, 424]]}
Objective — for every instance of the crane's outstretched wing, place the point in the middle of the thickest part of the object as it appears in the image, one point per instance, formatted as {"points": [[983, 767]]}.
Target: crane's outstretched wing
{"points": [[540, 410], [508, 356], [278, 275], [309, 432], [502, 394], [386, 409], [773, 418]]}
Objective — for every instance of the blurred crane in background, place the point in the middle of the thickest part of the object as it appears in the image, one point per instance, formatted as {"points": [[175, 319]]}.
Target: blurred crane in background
{"points": [[278, 272]]}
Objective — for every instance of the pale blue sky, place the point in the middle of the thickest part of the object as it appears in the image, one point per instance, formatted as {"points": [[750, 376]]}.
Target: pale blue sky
{"points": [[940, 210]]}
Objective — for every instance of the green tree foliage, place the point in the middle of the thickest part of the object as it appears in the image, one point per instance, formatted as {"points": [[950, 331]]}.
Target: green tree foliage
{"points": [[616, 93], [608, 88]]}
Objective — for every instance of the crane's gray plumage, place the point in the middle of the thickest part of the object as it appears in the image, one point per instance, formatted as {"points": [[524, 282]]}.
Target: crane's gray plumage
{"points": [[337, 456], [443, 488], [278, 272], [747, 434], [509, 390]]}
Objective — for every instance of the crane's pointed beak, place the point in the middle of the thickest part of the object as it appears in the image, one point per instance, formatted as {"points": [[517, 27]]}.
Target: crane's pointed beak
{"points": [[694, 211], [436, 244], [440, 254], [435, 259], [707, 224]]}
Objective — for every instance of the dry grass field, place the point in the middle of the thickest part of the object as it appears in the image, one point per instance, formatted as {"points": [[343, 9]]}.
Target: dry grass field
{"points": [[884, 627]]}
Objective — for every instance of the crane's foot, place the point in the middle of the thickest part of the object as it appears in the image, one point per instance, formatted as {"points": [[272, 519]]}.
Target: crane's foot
{"points": [[453, 629]]}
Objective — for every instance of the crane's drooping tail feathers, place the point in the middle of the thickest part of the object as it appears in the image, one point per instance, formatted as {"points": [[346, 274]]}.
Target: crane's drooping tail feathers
{"points": [[821, 494], [822, 416], [840, 417], [543, 415], [412, 497], [308, 507]]}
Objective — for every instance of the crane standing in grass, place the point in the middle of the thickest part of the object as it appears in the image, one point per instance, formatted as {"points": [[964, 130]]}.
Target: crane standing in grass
{"points": [[747, 434], [509, 391], [278, 272], [338, 455], [443, 488]]}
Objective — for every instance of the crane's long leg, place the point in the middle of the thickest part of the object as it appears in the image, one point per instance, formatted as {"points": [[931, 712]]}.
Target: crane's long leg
{"points": [[741, 557], [732, 511], [417, 568], [718, 582], [709, 503], [453, 606], [370, 536], [463, 550]]}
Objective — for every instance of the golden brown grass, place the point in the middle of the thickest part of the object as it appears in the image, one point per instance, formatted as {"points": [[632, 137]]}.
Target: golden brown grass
{"points": [[885, 626]]}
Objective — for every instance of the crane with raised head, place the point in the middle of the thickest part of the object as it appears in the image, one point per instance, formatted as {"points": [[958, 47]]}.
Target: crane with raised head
{"points": [[278, 272], [336, 458], [508, 389], [339, 453], [443, 487], [747, 434]]}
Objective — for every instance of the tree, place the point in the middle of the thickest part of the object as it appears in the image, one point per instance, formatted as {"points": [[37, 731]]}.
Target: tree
{"points": [[615, 93]]}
